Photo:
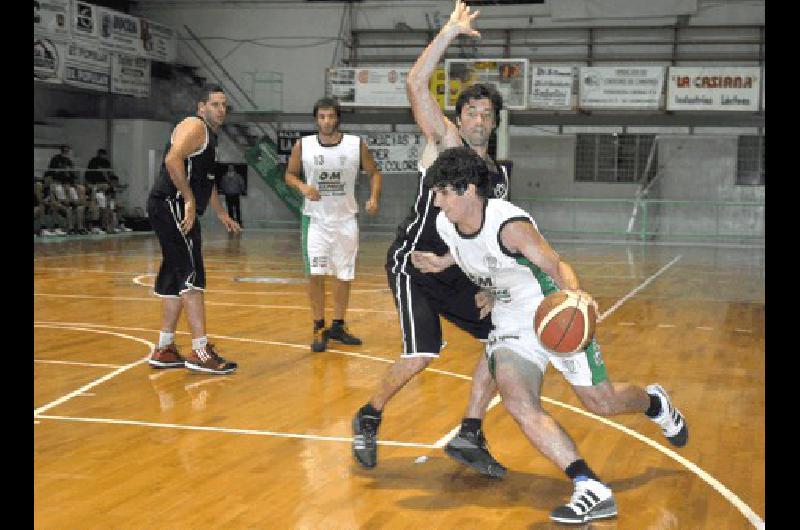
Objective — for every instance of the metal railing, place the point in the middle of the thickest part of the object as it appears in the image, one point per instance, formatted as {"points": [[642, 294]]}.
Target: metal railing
{"points": [[653, 219]]}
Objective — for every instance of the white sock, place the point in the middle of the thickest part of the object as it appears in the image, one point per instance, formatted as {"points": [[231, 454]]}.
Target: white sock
{"points": [[165, 339], [200, 343]]}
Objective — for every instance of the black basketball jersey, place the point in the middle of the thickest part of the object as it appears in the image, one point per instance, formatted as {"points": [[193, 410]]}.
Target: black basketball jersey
{"points": [[200, 168], [418, 230]]}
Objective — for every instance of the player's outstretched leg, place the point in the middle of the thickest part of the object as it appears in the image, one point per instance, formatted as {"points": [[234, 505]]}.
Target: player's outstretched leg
{"points": [[669, 418]]}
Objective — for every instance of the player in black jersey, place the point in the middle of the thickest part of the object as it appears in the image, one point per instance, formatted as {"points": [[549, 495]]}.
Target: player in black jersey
{"points": [[422, 298], [183, 189]]}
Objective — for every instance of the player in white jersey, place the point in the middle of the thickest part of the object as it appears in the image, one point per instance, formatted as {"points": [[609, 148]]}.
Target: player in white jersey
{"points": [[500, 248], [330, 161]]}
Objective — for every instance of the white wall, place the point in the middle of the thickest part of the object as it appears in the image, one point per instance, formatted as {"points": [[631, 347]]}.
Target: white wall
{"points": [[138, 152]]}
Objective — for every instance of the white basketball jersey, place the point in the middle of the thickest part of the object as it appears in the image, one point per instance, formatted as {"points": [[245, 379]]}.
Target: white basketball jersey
{"points": [[517, 284], [333, 171]]}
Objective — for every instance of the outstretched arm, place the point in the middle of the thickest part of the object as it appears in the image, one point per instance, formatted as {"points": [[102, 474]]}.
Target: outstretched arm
{"points": [[429, 117]]}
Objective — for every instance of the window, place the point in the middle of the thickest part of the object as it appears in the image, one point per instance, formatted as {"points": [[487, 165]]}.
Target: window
{"points": [[750, 161], [614, 157]]}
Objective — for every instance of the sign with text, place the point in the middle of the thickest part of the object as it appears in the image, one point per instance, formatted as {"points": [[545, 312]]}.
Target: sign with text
{"points": [[85, 21], [395, 152], [713, 88], [48, 60], [368, 87], [51, 19], [119, 32], [87, 66], [624, 87], [551, 87], [157, 41], [286, 141], [509, 76], [130, 75]]}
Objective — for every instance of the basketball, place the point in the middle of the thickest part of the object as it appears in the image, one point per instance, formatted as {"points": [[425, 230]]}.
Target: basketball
{"points": [[564, 322]]}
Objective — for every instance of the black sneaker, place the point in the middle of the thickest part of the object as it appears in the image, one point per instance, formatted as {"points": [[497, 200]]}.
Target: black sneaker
{"points": [[365, 444], [320, 340], [209, 361], [591, 500], [671, 421], [470, 448], [342, 334]]}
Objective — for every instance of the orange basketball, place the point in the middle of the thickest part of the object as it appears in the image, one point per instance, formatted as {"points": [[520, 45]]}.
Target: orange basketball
{"points": [[565, 322]]}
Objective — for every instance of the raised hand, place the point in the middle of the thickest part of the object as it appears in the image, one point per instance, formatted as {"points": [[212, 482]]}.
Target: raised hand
{"points": [[462, 19]]}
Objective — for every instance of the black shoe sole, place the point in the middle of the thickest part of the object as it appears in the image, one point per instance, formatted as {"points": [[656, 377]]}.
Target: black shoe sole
{"points": [[487, 470], [680, 439], [165, 366], [317, 347]]}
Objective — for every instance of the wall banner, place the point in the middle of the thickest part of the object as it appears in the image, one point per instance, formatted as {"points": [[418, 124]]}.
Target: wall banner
{"points": [[88, 66], [368, 87], [130, 75], [551, 87], [119, 32], [627, 87], [51, 19], [157, 41], [85, 21], [48, 60], [395, 152], [714, 88], [509, 76]]}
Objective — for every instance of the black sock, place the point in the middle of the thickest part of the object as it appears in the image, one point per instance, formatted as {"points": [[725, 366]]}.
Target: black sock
{"points": [[580, 468], [471, 425], [338, 323], [655, 407], [319, 324], [369, 410]]}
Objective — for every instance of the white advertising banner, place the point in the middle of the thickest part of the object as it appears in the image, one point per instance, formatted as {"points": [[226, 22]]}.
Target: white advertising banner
{"points": [[51, 19], [87, 65], [119, 32], [626, 87], [509, 76], [130, 75], [551, 87], [368, 87], [48, 60], [713, 88], [157, 41], [85, 21], [395, 152]]}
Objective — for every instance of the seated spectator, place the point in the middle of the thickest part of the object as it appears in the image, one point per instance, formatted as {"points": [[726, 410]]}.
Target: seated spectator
{"points": [[38, 210], [78, 203], [103, 213], [61, 163], [99, 169], [116, 205], [58, 209]]}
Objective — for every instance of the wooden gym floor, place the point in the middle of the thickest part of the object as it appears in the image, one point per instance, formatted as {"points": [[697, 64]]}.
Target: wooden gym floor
{"points": [[119, 445]]}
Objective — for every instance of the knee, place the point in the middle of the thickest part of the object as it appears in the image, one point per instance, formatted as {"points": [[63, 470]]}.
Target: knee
{"points": [[416, 364]]}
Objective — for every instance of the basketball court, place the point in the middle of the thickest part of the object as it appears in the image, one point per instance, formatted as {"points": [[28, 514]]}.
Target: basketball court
{"points": [[118, 444]]}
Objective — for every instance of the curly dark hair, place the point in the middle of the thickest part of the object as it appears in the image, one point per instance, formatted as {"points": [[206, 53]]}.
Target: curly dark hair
{"points": [[328, 103], [459, 167], [481, 91]]}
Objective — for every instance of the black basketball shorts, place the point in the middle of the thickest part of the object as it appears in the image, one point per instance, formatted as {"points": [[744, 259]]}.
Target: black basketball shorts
{"points": [[182, 258], [422, 299]]}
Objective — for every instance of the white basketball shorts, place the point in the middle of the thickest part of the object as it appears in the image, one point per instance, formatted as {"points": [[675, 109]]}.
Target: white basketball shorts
{"points": [[330, 246]]}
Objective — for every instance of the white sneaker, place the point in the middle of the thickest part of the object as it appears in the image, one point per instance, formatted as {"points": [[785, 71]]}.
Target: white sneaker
{"points": [[126, 229], [670, 420], [591, 500], [47, 232], [59, 232]]}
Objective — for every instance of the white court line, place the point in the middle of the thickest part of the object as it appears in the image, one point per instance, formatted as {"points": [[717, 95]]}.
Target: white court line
{"points": [[138, 280], [743, 330], [49, 361], [626, 323], [636, 290], [705, 328], [223, 304], [103, 379], [255, 432], [666, 325]]}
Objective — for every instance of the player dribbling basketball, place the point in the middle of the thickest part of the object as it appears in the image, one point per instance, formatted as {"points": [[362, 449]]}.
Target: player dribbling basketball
{"points": [[499, 247]]}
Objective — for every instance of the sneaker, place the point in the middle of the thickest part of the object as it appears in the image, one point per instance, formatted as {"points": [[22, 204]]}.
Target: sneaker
{"points": [[470, 448], [342, 334], [166, 357], [207, 360], [670, 420], [365, 444], [46, 232], [320, 340], [125, 228], [59, 232], [591, 500]]}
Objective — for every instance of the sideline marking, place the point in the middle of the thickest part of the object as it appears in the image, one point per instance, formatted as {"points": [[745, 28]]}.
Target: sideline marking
{"points": [[100, 365]]}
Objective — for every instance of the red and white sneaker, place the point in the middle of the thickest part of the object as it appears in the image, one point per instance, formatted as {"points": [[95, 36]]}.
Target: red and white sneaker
{"points": [[166, 357], [209, 361]]}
